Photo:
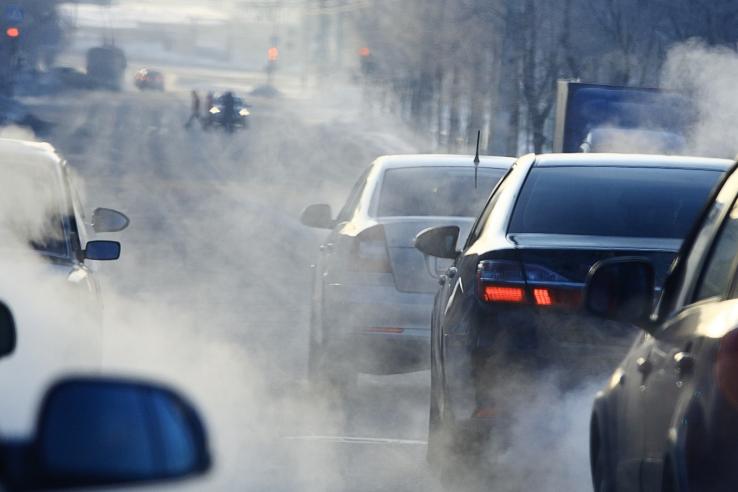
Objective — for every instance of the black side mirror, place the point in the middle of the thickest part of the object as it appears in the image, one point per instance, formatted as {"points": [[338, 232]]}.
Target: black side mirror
{"points": [[318, 216], [621, 289], [109, 220], [438, 241], [7, 331], [97, 432], [102, 250]]}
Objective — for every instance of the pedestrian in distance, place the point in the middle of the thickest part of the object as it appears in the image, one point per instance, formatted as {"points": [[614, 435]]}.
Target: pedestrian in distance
{"points": [[195, 110]]}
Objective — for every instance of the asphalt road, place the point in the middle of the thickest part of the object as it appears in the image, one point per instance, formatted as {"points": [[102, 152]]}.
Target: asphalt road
{"points": [[212, 293]]}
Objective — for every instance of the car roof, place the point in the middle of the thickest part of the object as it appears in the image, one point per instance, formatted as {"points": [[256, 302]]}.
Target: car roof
{"points": [[440, 160], [32, 153], [632, 160]]}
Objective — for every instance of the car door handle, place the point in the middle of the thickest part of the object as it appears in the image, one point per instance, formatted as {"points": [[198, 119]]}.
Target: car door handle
{"points": [[644, 366], [684, 363]]}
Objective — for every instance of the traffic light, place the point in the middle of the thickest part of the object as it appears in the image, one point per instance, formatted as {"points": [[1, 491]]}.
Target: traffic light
{"points": [[273, 54], [12, 32]]}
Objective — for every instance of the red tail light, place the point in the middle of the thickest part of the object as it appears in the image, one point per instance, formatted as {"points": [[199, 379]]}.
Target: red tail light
{"points": [[561, 297], [726, 367], [501, 281], [512, 282], [543, 297], [499, 293], [369, 252]]}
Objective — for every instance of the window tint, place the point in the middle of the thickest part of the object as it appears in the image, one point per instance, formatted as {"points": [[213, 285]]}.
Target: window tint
{"points": [[612, 201], [436, 191], [720, 267], [353, 199]]}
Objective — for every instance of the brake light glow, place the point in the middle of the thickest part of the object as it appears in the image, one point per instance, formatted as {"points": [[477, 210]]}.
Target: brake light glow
{"points": [[542, 297], [499, 293], [513, 282], [726, 367]]}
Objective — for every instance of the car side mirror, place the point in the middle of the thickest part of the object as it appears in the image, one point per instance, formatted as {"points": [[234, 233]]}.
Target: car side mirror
{"points": [[109, 220], [438, 241], [318, 216], [98, 432], [8, 336], [621, 289], [102, 250]]}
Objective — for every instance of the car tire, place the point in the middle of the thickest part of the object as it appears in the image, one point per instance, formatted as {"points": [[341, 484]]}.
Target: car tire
{"points": [[329, 372], [601, 474], [448, 446]]}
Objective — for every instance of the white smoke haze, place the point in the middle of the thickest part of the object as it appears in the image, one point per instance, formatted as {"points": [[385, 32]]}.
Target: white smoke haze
{"points": [[212, 295], [54, 335], [707, 75]]}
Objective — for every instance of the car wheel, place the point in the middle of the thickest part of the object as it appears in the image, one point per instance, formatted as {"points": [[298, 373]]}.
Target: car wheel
{"points": [[437, 437], [329, 371], [449, 448], [601, 473]]}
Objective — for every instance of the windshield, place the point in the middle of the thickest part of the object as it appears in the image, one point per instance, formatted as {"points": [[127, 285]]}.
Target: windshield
{"points": [[435, 191], [612, 201]]}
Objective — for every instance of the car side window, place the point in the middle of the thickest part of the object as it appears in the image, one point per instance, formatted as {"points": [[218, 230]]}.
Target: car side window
{"points": [[482, 220], [353, 199], [719, 270]]}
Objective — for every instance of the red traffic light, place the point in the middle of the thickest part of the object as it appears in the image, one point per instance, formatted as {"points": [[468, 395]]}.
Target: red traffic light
{"points": [[273, 54], [12, 32], [365, 52]]}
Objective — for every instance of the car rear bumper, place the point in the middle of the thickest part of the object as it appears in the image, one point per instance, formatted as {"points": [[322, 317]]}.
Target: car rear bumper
{"points": [[384, 330], [520, 349]]}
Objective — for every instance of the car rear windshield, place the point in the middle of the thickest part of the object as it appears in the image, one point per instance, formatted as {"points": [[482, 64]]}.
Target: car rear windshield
{"points": [[612, 201], [436, 191]]}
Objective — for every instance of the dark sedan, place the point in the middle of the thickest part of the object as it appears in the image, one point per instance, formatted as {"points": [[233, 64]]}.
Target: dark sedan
{"points": [[511, 302], [668, 419]]}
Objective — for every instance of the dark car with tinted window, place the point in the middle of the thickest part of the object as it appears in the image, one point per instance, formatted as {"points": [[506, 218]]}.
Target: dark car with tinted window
{"points": [[512, 300], [668, 418]]}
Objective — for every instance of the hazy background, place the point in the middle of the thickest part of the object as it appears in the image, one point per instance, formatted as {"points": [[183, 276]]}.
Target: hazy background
{"points": [[213, 288]]}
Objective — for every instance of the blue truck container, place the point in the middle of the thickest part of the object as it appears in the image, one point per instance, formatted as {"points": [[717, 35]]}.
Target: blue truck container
{"points": [[585, 112]]}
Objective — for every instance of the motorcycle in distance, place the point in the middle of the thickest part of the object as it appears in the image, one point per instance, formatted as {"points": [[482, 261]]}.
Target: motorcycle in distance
{"points": [[228, 112]]}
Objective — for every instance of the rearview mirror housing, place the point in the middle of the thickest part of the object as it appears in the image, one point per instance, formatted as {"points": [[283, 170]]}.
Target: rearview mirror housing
{"points": [[109, 220], [438, 241], [8, 334], [318, 216], [97, 432], [102, 250], [621, 289]]}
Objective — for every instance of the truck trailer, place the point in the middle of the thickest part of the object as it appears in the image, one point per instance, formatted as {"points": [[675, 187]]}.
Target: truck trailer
{"points": [[603, 118]]}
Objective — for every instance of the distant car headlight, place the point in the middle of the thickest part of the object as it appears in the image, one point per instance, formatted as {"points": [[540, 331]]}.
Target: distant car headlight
{"points": [[244, 112], [214, 110]]}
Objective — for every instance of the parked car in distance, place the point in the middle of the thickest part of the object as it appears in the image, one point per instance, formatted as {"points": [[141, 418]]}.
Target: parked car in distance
{"points": [[511, 301], [668, 418], [373, 291], [147, 79]]}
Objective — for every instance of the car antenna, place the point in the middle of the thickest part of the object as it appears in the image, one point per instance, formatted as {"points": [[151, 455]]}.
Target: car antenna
{"points": [[476, 159]]}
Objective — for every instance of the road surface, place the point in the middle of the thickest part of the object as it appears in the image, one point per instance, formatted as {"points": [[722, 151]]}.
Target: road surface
{"points": [[212, 290]]}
